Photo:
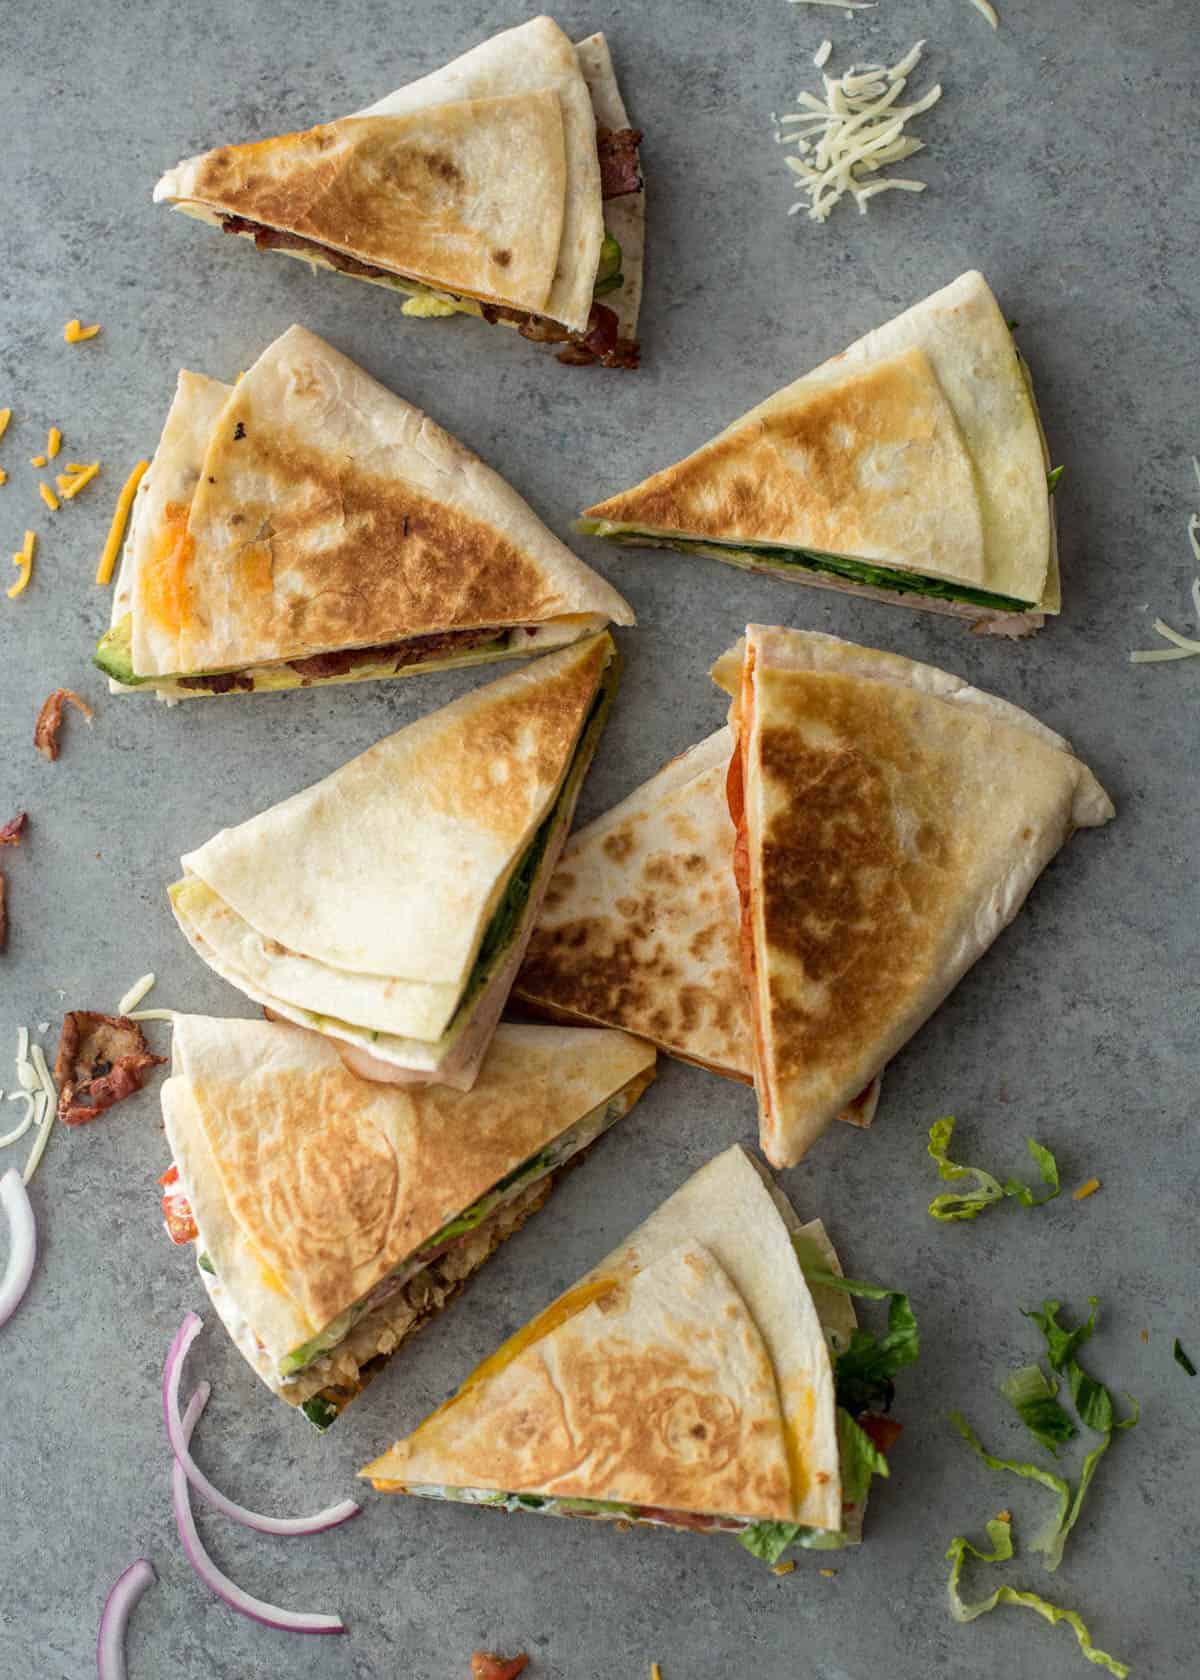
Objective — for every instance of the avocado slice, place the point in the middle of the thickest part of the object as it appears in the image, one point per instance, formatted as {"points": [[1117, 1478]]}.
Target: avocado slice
{"points": [[114, 653]]}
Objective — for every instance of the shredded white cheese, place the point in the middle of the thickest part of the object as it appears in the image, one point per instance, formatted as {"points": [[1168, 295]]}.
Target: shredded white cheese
{"points": [[854, 132], [48, 1104], [1183, 647], [135, 994], [152, 1014], [821, 56], [988, 11], [26, 1120], [843, 5]]}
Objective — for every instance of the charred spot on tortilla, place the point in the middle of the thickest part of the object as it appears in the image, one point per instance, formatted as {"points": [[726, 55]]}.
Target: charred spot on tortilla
{"points": [[239, 432]]}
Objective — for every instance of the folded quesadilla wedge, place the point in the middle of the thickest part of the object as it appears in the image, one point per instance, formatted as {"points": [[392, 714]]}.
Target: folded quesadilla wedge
{"points": [[482, 189], [332, 1217], [891, 821], [389, 905], [687, 1382], [307, 526], [911, 468], [640, 927]]}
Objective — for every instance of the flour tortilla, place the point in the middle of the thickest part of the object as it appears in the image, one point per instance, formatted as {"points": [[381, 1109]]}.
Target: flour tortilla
{"points": [[373, 888], [532, 60], [311, 510], [650, 1309], [896, 820], [918, 448], [310, 1187], [624, 217]]}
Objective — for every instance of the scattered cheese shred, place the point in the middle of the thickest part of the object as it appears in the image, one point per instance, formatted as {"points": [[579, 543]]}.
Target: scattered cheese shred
{"points": [[5, 417], [783, 1568], [76, 466], [1184, 647], [655, 1672], [74, 333], [3, 476], [821, 56], [76, 483], [829, 1573], [842, 5], [1086, 1190], [116, 530], [37, 460], [48, 496], [53, 443], [855, 131], [135, 994], [987, 10], [1145, 1335], [49, 1110], [25, 561]]}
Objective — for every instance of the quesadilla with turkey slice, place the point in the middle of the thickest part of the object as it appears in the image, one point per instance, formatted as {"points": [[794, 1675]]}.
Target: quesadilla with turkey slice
{"points": [[891, 820], [911, 468], [640, 925], [506, 185], [388, 906], [307, 526], [332, 1217], [689, 1381]]}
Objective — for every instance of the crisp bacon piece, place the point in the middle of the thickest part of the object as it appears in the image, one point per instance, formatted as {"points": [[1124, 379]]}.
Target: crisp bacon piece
{"points": [[620, 172], [177, 1210], [49, 720], [3, 912], [11, 832], [101, 1060], [486, 1665]]}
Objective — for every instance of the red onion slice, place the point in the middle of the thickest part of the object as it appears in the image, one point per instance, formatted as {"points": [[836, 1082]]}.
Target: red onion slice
{"points": [[22, 1232], [110, 1641], [270, 1615], [178, 1437]]}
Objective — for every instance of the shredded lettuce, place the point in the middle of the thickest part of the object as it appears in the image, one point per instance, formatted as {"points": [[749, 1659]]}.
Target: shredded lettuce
{"points": [[860, 1459], [988, 1189], [1031, 1394], [866, 1370], [1062, 1344], [1052, 478], [1000, 1535]]}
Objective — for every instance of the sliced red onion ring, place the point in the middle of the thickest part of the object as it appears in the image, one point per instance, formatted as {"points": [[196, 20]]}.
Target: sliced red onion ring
{"points": [[22, 1251], [172, 1375], [110, 1642], [270, 1615]]}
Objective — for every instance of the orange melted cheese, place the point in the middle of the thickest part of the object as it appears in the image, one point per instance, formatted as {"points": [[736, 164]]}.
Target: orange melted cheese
{"points": [[797, 1440], [163, 585]]}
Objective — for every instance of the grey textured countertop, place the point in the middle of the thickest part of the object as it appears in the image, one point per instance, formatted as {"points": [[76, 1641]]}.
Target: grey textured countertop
{"points": [[1062, 162]]}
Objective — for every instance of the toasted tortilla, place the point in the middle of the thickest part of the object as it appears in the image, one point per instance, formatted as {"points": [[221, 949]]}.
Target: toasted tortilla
{"points": [[372, 890], [624, 217], [919, 449], [896, 819], [727, 1213], [313, 510], [309, 1186]]}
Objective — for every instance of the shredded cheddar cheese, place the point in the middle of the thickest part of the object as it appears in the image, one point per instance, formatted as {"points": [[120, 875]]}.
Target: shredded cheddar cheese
{"points": [[75, 333], [784, 1568], [48, 496], [1086, 1190], [76, 466], [53, 443], [3, 476], [655, 1672], [37, 460], [116, 530], [24, 560], [76, 482], [828, 1573], [5, 417]]}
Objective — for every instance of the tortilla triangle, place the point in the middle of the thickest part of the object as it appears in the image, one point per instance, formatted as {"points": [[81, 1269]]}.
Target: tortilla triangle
{"points": [[896, 819], [360, 905], [317, 511]]}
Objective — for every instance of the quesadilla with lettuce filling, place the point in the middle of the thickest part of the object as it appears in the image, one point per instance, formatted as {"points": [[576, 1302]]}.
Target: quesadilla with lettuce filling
{"points": [[506, 185], [693, 1380], [306, 526], [388, 906], [891, 820], [640, 927], [332, 1217], [911, 468]]}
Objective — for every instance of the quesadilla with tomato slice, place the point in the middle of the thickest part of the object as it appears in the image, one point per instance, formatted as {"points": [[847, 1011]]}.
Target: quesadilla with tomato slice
{"points": [[891, 821], [506, 185], [911, 468], [705, 1376], [306, 526], [332, 1217], [388, 906], [640, 927]]}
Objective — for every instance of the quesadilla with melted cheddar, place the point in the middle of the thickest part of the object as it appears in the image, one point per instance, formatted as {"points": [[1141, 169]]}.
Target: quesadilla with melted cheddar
{"points": [[891, 821], [306, 526], [640, 927], [693, 1380], [911, 468], [388, 906], [506, 185], [332, 1217]]}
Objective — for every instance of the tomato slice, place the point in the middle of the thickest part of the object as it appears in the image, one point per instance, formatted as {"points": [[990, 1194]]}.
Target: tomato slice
{"points": [[883, 1431], [177, 1210]]}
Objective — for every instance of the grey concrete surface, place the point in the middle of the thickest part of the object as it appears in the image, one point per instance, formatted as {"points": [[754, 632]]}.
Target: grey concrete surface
{"points": [[1062, 162]]}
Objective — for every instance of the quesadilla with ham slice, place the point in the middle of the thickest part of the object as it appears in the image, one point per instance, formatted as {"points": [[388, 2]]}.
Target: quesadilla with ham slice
{"points": [[332, 1217], [506, 185], [307, 526], [911, 468], [891, 820], [388, 907], [705, 1376]]}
